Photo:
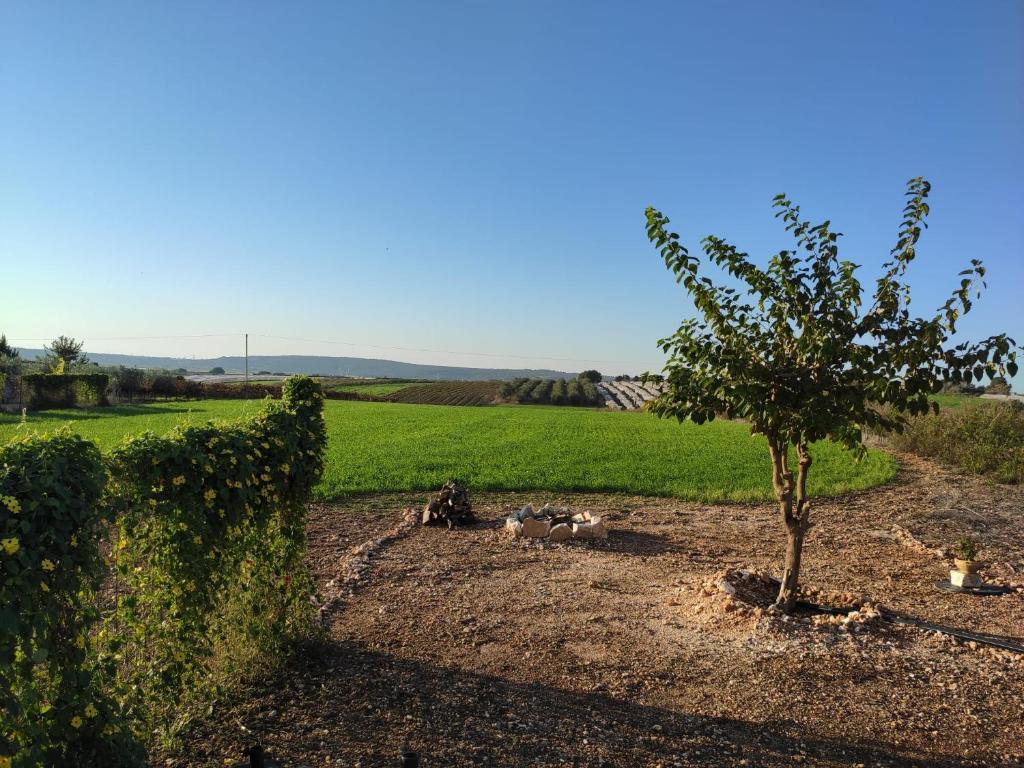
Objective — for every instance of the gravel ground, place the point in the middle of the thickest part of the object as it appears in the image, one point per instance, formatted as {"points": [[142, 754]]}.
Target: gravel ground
{"points": [[474, 649]]}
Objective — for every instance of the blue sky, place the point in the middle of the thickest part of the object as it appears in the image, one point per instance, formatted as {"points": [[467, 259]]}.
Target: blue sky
{"points": [[471, 177]]}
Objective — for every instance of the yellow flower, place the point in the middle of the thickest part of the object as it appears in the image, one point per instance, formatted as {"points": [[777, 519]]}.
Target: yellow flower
{"points": [[91, 711], [11, 546], [285, 468], [76, 722], [210, 494], [151, 502], [266, 445], [179, 480], [80, 641], [197, 540], [233, 461], [12, 504], [5, 761], [45, 586], [74, 540], [48, 565]]}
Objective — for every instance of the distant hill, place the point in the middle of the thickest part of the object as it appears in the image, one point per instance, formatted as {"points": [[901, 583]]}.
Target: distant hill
{"points": [[324, 366]]}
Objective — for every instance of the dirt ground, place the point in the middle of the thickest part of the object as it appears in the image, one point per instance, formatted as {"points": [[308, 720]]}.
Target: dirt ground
{"points": [[474, 649]]}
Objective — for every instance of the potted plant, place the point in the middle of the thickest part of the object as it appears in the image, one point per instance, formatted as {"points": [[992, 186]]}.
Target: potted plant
{"points": [[966, 556]]}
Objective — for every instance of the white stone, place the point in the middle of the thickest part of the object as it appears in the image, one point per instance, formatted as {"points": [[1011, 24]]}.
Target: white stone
{"points": [[582, 531], [958, 579], [595, 529], [560, 532], [514, 527], [578, 518], [536, 529], [726, 587], [524, 512]]}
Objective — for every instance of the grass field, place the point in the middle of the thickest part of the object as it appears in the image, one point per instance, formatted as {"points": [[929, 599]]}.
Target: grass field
{"points": [[391, 446]]}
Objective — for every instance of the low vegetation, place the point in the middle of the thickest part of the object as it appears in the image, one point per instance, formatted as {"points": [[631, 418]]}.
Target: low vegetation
{"points": [[986, 437]]}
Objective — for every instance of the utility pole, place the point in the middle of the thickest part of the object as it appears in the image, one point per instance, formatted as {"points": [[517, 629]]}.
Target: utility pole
{"points": [[247, 365]]}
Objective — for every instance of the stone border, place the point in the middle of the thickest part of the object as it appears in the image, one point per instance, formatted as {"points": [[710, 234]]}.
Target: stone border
{"points": [[554, 524]]}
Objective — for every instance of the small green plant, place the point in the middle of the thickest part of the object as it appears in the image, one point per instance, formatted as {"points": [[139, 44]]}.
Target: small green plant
{"points": [[967, 549]]}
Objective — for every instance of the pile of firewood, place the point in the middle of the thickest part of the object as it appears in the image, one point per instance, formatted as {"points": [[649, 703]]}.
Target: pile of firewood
{"points": [[451, 506]]}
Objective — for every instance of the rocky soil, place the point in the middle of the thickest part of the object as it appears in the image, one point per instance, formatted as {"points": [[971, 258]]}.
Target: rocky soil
{"points": [[474, 649]]}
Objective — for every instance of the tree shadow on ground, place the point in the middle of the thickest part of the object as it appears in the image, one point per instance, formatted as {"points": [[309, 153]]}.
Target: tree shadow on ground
{"points": [[39, 418], [637, 543], [341, 702]]}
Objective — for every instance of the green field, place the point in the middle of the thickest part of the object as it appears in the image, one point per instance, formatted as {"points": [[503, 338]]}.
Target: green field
{"points": [[399, 447]]}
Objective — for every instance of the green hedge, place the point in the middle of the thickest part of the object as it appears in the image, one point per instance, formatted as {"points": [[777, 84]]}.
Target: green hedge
{"points": [[54, 706], [65, 390], [208, 576]]}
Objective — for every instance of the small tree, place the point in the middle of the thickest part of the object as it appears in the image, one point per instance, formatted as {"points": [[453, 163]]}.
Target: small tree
{"points": [[129, 382], [10, 358], [216, 371], [798, 356], [68, 350], [999, 386], [590, 375]]}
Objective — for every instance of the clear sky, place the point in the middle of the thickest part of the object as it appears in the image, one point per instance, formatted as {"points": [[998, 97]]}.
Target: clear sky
{"points": [[472, 176]]}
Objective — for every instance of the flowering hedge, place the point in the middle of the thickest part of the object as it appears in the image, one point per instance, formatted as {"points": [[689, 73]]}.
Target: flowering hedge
{"points": [[208, 576], [54, 707], [209, 553]]}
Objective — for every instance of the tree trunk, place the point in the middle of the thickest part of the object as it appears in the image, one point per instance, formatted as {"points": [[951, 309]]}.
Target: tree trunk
{"points": [[791, 573], [794, 509]]}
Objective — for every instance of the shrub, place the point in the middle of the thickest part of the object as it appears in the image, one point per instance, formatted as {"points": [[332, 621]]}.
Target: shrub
{"points": [[54, 709], [590, 375], [998, 386], [209, 554], [167, 386], [986, 438], [217, 371]]}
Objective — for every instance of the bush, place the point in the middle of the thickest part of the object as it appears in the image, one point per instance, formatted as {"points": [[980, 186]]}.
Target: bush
{"points": [[167, 386], [209, 554], [998, 386], [54, 709], [986, 438], [216, 371], [59, 390], [590, 375]]}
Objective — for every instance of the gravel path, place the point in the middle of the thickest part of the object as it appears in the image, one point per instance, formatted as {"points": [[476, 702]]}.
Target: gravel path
{"points": [[474, 649]]}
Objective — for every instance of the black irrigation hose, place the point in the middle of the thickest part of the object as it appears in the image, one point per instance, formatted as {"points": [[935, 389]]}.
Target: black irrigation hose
{"points": [[962, 634], [891, 617]]}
